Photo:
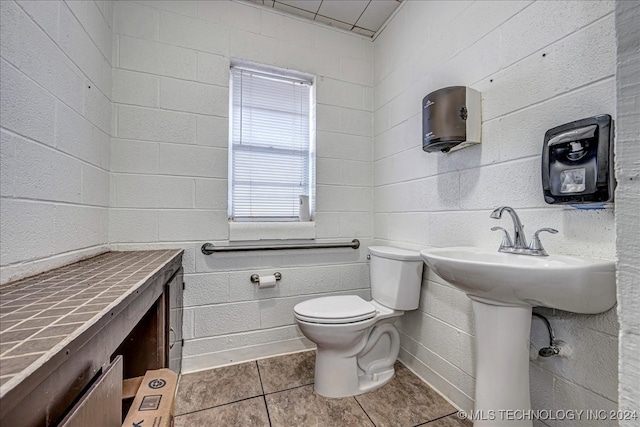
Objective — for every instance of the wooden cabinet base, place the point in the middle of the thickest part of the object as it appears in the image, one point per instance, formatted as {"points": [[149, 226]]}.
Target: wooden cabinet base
{"points": [[101, 405]]}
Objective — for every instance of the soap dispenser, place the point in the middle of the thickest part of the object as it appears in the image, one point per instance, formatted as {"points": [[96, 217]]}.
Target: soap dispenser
{"points": [[577, 162]]}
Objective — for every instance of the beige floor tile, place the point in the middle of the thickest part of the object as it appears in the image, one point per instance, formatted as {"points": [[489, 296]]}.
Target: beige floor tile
{"points": [[246, 413], [206, 389], [288, 371], [302, 407], [405, 401]]}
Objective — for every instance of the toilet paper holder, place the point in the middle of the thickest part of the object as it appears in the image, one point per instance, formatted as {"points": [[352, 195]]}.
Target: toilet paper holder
{"points": [[256, 278]]}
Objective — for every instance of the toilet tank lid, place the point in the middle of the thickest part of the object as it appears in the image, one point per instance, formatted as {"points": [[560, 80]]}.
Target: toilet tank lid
{"points": [[394, 253]]}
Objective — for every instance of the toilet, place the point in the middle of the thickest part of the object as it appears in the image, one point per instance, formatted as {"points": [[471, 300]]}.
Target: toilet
{"points": [[357, 342]]}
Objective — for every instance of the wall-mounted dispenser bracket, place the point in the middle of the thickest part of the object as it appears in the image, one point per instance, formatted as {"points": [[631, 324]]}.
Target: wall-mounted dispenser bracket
{"points": [[577, 162]]}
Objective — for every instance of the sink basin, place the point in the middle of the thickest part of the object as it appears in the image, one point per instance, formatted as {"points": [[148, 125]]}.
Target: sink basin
{"points": [[576, 284], [503, 288]]}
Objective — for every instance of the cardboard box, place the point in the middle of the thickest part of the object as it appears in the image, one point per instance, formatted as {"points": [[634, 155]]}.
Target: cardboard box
{"points": [[130, 387], [153, 405]]}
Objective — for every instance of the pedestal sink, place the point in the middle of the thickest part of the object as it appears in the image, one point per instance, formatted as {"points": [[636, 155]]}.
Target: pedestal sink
{"points": [[503, 288]]}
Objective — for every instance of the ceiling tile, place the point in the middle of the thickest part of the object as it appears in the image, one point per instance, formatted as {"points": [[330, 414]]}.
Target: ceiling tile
{"points": [[367, 16], [334, 23], [376, 13], [308, 5], [345, 11], [293, 10]]}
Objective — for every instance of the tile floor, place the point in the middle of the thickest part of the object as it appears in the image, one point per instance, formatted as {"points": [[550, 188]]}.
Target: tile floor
{"points": [[279, 392]]}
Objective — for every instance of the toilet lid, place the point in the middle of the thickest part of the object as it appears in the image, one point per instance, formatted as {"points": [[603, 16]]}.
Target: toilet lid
{"points": [[337, 309]]}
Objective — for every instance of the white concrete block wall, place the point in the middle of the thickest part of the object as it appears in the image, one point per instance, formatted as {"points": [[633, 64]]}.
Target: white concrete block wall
{"points": [[628, 204], [55, 126], [154, 75], [169, 164], [537, 65]]}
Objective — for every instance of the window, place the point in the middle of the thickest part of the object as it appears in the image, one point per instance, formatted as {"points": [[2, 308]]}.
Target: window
{"points": [[272, 144]]}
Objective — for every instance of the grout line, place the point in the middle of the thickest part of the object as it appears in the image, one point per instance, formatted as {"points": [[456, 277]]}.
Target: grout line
{"points": [[259, 376], [64, 53], [287, 389], [56, 202], [53, 146], [263, 395], [53, 257], [363, 410], [220, 405], [159, 108], [571, 91], [554, 42], [459, 171], [502, 67], [198, 115], [347, 291], [264, 398], [103, 16], [87, 33], [162, 77], [435, 419], [197, 80]]}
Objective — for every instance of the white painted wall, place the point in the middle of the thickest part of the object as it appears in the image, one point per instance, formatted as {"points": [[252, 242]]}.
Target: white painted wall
{"points": [[169, 149], [628, 204], [55, 128], [537, 65], [169, 164]]}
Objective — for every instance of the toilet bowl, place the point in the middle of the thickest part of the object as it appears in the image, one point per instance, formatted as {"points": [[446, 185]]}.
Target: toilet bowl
{"points": [[357, 342]]}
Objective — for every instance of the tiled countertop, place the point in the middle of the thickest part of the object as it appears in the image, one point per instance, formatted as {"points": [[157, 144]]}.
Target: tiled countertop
{"points": [[40, 315]]}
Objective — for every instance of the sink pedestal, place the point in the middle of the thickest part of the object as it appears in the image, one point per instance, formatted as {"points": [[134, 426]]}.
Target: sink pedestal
{"points": [[503, 287], [502, 365]]}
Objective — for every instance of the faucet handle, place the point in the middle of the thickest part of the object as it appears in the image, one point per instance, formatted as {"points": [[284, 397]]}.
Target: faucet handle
{"points": [[506, 239], [536, 244]]}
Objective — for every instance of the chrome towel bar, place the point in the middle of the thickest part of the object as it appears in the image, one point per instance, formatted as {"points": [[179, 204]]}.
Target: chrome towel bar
{"points": [[209, 248]]}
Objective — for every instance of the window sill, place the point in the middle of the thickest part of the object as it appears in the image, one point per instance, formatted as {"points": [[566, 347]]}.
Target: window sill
{"points": [[243, 231]]}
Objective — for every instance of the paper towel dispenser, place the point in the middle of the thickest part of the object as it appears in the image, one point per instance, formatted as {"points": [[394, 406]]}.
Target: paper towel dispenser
{"points": [[451, 119], [577, 162]]}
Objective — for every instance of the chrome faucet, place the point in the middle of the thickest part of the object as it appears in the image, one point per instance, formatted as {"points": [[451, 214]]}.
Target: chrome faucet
{"points": [[519, 239], [519, 243]]}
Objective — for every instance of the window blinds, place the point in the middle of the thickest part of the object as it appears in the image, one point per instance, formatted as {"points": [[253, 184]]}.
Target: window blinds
{"points": [[270, 145]]}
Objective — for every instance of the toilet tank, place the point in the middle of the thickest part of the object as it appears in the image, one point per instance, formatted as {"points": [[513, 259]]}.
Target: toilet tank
{"points": [[396, 277]]}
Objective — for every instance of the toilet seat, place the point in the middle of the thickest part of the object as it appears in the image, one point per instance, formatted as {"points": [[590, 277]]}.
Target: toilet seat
{"points": [[335, 310]]}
